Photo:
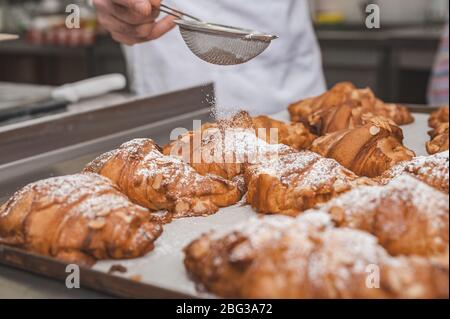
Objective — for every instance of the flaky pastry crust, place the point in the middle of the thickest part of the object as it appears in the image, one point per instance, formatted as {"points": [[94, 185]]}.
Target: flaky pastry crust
{"points": [[407, 216], [292, 183], [161, 182], [432, 170], [368, 150], [307, 257], [344, 107], [79, 219]]}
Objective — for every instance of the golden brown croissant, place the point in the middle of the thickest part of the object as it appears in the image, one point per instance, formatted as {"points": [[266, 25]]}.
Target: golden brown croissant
{"points": [[241, 119], [160, 182], [432, 170], [224, 148], [209, 152], [438, 117], [78, 218], [307, 258], [292, 183], [336, 96], [407, 216], [344, 107], [207, 156], [368, 150], [439, 139], [295, 135]]}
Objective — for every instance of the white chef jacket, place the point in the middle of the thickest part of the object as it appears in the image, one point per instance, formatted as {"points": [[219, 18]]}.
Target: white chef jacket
{"points": [[289, 70]]}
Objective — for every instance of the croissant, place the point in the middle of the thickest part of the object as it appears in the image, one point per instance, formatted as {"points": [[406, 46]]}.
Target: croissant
{"points": [[295, 135], [345, 107], [432, 170], [438, 117], [209, 152], [160, 182], [336, 96], [368, 150], [291, 183], [407, 216], [224, 148], [439, 139], [207, 155], [79, 219], [307, 257]]}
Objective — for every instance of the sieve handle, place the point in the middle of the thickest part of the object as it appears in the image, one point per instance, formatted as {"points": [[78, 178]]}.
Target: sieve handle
{"points": [[176, 13]]}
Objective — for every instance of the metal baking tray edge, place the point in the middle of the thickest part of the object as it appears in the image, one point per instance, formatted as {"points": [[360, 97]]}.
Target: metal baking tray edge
{"points": [[35, 137], [96, 280], [11, 174]]}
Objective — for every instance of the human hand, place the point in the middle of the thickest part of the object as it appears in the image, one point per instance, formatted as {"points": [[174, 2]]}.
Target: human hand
{"points": [[132, 21]]}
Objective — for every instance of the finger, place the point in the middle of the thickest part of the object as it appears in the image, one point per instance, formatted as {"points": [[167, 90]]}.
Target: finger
{"points": [[140, 7], [155, 3], [124, 39], [162, 27], [124, 14]]}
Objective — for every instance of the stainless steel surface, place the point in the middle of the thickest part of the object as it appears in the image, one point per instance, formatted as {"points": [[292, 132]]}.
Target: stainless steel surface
{"points": [[18, 284], [89, 278], [65, 144], [29, 139], [219, 44], [71, 159]]}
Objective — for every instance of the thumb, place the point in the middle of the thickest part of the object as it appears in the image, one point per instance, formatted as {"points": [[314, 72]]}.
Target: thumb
{"points": [[142, 7]]}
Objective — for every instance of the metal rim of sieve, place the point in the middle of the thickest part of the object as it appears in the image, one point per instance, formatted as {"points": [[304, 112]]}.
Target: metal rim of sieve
{"points": [[225, 31]]}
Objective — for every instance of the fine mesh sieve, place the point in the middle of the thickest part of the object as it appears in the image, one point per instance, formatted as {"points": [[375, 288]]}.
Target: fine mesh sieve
{"points": [[219, 44]]}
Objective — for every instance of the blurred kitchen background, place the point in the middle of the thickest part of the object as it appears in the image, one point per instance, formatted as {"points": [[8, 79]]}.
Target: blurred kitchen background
{"points": [[395, 60]]}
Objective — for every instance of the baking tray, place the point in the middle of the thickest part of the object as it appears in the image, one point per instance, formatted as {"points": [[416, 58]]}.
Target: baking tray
{"points": [[159, 274], [26, 139]]}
